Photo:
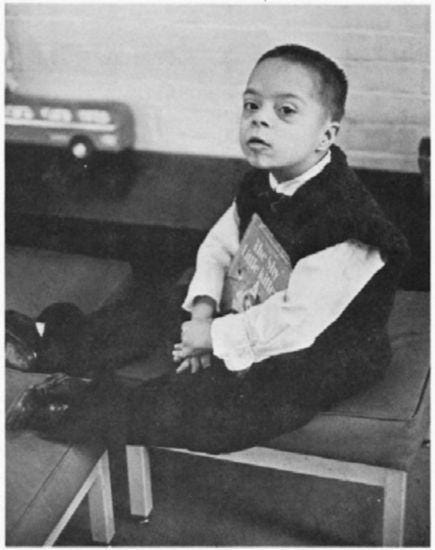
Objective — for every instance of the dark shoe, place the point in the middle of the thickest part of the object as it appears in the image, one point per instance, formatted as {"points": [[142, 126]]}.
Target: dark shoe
{"points": [[73, 410], [48, 404], [64, 328], [59, 348], [22, 341]]}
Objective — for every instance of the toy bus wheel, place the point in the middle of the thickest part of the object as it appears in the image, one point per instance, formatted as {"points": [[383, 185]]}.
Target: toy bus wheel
{"points": [[81, 147]]}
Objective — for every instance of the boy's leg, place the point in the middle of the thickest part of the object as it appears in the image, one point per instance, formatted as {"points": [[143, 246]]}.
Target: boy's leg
{"points": [[212, 411], [110, 337], [216, 411]]}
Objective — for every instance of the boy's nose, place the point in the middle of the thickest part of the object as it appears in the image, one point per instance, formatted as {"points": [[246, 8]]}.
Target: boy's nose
{"points": [[261, 117], [259, 122]]}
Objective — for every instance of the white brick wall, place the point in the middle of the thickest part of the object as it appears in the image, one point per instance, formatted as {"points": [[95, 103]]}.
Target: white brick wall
{"points": [[182, 68]]}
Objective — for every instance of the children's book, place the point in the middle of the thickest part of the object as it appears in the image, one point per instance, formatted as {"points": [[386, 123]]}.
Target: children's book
{"points": [[260, 268]]}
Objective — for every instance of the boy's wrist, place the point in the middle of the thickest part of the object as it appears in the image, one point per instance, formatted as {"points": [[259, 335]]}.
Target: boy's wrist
{"points": [[204, 307]]}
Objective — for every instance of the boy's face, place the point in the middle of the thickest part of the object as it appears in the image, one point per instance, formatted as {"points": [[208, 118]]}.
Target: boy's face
{"points": [[284, 128]]}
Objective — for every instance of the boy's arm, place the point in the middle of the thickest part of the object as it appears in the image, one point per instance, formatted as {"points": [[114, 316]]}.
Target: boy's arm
{"points": [[212, 261], [203, 307], [204, 293], [320, 288]]}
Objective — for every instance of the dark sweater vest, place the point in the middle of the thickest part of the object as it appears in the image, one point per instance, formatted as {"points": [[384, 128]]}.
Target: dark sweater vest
{"points": [[329, 209]]}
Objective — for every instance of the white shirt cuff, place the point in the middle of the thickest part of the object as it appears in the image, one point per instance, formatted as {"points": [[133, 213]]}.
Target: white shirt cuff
{"points": [[231, 342], [198, 287]]}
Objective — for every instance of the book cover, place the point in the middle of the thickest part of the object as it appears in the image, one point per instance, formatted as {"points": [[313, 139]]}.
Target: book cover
{"points": [[260, 268]]}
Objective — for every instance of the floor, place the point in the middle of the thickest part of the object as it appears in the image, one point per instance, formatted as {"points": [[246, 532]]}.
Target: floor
{"points": [[200, 502]]}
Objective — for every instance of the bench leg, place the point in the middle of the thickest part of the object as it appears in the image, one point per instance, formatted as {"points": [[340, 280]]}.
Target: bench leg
{"points": [[101, 504], [392, 481], [139, 481], [394, 508]]}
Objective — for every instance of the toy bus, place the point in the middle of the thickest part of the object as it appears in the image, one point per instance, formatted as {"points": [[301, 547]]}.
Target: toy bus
{"points": [[80, 126]]}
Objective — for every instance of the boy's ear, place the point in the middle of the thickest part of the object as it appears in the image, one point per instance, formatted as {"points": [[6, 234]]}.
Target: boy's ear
{"points": [[329, 135]]}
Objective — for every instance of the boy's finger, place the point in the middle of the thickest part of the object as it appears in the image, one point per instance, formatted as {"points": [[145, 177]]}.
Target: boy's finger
{"points": [[184, 366], [176, 356], [194, 364], [205, 361], [182, 353], [177, 352]]}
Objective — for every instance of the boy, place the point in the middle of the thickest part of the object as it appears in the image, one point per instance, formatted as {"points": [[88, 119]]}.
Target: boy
{"points": [[271, 368]]}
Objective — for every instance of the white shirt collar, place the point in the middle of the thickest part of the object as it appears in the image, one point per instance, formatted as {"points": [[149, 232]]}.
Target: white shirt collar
{"points": [[290, 186]]}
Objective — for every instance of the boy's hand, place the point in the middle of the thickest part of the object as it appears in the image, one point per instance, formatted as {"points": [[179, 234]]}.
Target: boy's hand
{"points": [[195, 346], [204, 307], [195, 363], [196, 336]]}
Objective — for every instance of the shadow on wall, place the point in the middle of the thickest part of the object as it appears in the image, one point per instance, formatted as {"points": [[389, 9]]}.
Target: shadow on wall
{"points": [[105, 176]]}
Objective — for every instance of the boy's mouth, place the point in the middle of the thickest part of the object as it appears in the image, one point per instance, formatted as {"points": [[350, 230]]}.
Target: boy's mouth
{"points": [[256, 143]]}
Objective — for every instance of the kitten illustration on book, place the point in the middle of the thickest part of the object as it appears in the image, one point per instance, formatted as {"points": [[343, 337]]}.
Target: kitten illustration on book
{"points": [[245, 298]]}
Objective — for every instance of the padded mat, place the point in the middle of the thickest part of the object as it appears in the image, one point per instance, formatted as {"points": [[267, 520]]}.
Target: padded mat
{"points": [[385, 425], [397, 396]]}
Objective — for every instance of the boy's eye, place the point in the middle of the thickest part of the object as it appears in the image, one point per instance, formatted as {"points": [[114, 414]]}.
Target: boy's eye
{"points": [[250, 106], [287, 110]]}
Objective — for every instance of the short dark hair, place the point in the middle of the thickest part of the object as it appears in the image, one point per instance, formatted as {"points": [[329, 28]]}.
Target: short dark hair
{"points": [[334, 85]]}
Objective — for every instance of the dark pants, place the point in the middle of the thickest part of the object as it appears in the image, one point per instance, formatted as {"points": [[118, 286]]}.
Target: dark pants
{"points": [[217, 411], [214, 410], [95, 344]]}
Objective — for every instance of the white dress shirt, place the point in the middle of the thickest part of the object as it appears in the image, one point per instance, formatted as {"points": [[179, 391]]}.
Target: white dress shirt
{"points": [[319, 290]]}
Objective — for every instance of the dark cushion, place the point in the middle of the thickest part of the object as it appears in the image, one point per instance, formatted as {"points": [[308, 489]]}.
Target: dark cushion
{"points": [[385, 425], [35, 278], [42, 477]]}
